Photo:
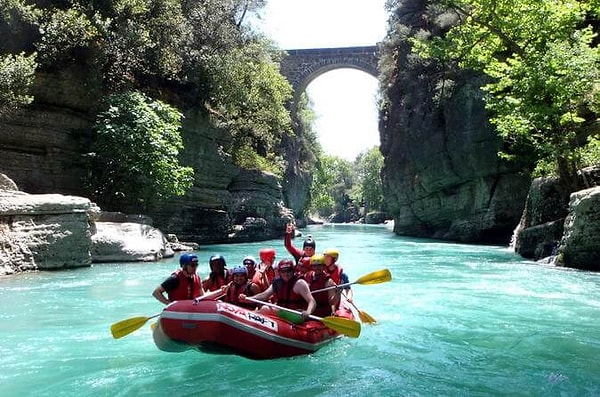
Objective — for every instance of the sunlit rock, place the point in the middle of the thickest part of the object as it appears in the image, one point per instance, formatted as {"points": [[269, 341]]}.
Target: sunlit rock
{"points": [[43, 231], [128, 242], [580, 246]]}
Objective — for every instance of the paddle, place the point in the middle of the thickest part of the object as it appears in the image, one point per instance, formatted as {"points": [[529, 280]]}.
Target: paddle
{"points": [[364, 316], [342, 325], [376, 277], [125, 327]]}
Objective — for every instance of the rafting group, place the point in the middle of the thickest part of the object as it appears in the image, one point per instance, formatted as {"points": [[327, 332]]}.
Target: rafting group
{"points": [[307, 283], [262, 309]]}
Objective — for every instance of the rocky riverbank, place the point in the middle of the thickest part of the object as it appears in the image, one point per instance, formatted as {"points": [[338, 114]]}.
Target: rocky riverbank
{"points": [[54, 231], [562, 227]]}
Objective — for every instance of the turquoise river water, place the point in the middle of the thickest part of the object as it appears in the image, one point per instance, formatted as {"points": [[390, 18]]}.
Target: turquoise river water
{"points": [[456, 320]]}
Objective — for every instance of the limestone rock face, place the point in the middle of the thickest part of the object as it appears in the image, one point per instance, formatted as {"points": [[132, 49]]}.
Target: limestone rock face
{"points": [[43, 147], [46, 231], [542, 225], [298, 174], [128, 242], [442, 176], [223, 195], [580, 246], [7, 184], [258, 206]]}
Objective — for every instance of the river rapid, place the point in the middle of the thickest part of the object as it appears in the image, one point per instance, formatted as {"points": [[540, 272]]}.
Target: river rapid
{"points": [[456, 320]]}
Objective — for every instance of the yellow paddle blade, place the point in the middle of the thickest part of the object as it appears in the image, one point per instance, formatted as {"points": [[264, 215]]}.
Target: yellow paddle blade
{"points": [[366, 317], [125, 327], [376, 277], [342, 325]]}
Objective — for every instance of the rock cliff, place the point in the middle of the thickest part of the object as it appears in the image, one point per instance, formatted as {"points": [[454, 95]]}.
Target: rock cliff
{"points": [[45, 231], [548, 205], [580, 245], [442, 176], [43, 147]]}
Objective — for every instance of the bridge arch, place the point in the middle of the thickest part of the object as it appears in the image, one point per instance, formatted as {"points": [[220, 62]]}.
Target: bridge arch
{"points": [[301, 67]]}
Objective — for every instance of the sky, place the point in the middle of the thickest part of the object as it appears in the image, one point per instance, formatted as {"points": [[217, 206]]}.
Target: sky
{"points": [[344, 100]]}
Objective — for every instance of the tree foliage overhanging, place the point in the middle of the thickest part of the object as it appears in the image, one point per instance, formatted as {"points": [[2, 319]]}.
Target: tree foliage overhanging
{"points": [[186, 53], [544, 63]]}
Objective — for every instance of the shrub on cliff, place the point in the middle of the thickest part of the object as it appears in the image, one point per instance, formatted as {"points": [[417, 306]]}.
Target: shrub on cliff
{"points": [[16, 75], [135, 160]]}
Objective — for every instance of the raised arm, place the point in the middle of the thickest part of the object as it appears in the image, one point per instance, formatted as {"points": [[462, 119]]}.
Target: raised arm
{"points": [[294, 251]]}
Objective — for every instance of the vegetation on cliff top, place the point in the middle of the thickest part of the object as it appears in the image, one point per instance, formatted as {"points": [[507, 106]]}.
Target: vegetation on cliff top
{"points": [[187, 54], [543, 62]]}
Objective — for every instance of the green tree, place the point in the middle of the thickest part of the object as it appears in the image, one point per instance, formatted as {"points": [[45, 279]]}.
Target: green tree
{"points": [[135, 157], [368, 167], [332, 182], [544, 65], [189, 53], [308, 146], [249, 97], [16, 76], [18, 63]]}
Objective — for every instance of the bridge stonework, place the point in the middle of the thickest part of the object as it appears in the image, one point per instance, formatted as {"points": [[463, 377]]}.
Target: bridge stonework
{"points": [[301, 67]]}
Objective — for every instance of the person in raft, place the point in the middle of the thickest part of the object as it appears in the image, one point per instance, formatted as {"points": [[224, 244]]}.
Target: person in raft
{"points": [[302, 256], [250, 264], [336, 272], [218, 275], [288, 290], [183, 284], [241, 285], [327, 301], [265, 274]]}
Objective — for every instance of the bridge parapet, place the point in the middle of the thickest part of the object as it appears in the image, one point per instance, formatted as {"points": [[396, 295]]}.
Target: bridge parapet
{"points": [[302, 66]]}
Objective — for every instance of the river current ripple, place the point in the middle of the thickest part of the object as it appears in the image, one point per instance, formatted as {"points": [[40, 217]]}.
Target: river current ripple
{"points": [[456, 320]]}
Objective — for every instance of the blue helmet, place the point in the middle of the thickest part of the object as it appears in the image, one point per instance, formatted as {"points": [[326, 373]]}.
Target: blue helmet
{"points": [[187, 258], [239, 270]]}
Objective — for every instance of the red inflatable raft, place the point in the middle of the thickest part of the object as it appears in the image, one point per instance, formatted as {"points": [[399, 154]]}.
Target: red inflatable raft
{"points": [[207, 324]]}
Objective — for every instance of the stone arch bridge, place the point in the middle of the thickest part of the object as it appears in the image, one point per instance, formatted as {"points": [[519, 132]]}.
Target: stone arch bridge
{"points": [[301, 67]]}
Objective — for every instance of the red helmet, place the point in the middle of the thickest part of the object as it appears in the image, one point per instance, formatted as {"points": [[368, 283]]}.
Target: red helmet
{"points": [[285, 264], [267, 254]]}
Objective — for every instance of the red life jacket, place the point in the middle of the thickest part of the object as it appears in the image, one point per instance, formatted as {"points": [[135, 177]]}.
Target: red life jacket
{"points": [[233, 295], [335, 274], [303, 265], [263, 278], [285, 295], [188, 287], [214, 281], [316, 282]]}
